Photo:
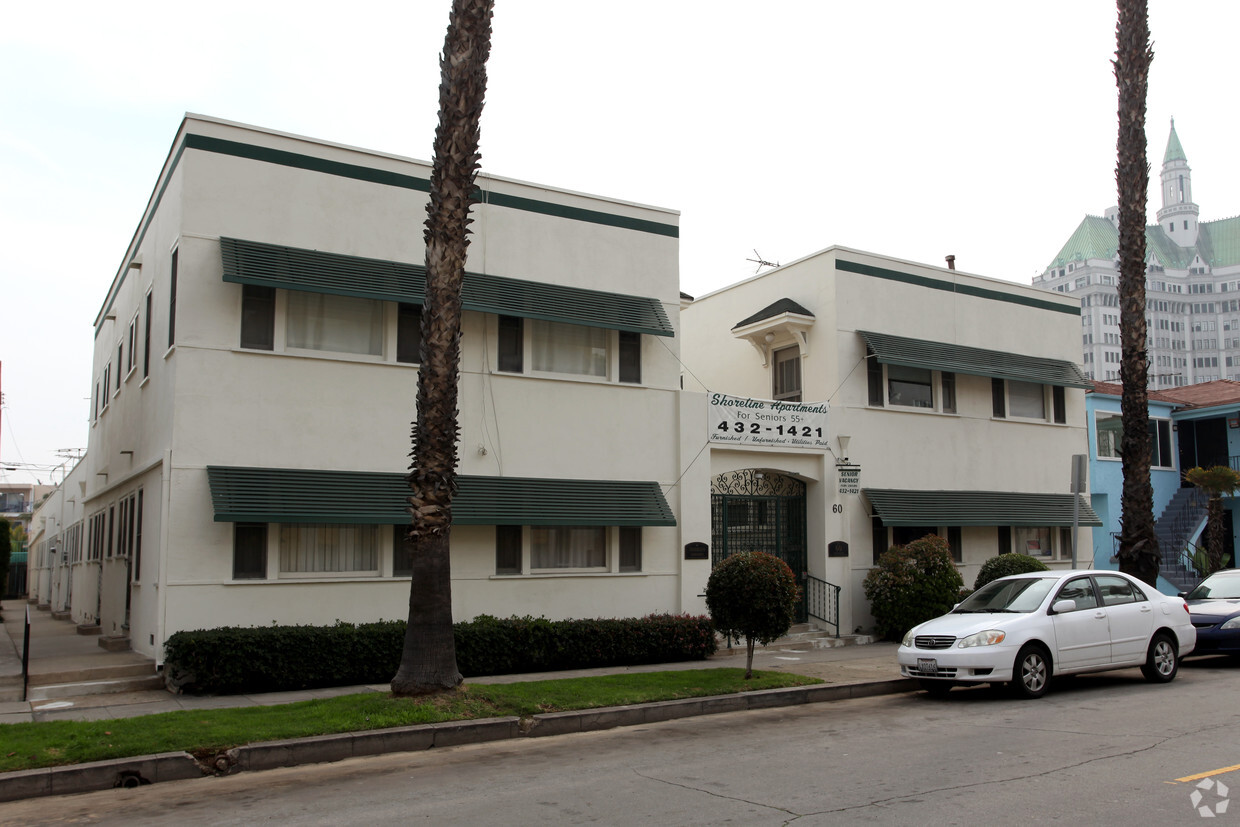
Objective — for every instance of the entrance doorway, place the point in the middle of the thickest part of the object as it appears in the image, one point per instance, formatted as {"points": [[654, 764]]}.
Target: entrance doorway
{"points": [[754, 510]]}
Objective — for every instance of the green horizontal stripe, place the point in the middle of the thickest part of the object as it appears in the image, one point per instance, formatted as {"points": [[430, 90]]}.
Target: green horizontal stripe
{"points": [[283, 495], [953, 287], [295, 160]]}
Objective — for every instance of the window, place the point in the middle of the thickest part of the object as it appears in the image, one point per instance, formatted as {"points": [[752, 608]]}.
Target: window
{"points": [[948, 382], [1116, 590], [630, 357], [568, 547], [874, 379], [402, 558], [1109, 435], [511, 344], [911, 387], [556, 347], [258, 317], [787, 375], [120, 362], [133, 345], [409, 333], [549, 549], [172, 301], [137, 540], [1080, 590], [1034, 541], [146, 340], [630, 548], [341, 324], [955, 543], [323, 550], [508, 549], [250, 551], [1026, 400], [902, 535]]}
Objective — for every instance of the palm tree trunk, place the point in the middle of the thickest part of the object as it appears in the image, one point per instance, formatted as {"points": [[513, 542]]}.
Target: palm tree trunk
{"points": [[428, 661], [1138, 545], [1214, 533]]}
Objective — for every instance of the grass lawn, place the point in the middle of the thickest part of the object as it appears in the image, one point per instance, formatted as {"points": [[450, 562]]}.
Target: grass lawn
{"points": [[52, 743]]}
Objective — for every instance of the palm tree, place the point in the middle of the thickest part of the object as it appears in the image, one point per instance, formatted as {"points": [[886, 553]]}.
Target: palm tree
{"points": [[428, 661], [1218, 482], [1138, 545]]}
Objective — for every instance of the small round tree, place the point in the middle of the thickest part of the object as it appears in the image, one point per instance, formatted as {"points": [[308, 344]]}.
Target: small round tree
{"points": [[1005, 564], [912, 584], [752, 595]]}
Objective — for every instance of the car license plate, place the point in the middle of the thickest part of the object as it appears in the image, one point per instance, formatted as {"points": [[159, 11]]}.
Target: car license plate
{"points": [[928, 666]]}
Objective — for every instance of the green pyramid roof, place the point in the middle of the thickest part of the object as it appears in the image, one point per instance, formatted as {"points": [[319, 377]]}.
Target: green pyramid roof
{"points": [[1095, 237], [1175, 152]]}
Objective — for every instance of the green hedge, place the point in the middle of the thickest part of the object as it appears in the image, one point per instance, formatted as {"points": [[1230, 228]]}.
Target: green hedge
{"points": [[234, 660]]}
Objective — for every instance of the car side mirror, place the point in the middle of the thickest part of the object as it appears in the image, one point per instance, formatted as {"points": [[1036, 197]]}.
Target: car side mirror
{"points": [[1061, 606]]}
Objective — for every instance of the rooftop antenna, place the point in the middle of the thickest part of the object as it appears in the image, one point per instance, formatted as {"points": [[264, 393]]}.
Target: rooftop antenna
{"points": [[761, 262]]}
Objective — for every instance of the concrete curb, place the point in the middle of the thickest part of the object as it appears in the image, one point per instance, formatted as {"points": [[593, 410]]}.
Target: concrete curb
{"points": [[319, 749], [99, 775]]}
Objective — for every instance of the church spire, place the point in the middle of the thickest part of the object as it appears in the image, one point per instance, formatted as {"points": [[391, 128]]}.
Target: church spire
{"points": [[1178, 215]]}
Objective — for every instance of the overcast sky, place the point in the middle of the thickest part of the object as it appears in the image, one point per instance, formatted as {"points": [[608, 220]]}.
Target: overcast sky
{"points": [[912, 129]]}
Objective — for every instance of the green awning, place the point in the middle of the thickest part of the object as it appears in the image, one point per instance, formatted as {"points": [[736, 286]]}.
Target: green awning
{"points": [[313, 271], [286, 495], [959, 508], [919, 353]]}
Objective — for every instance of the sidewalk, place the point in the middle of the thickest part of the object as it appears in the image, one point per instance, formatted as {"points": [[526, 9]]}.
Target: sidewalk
{"points": [[847, 672]]}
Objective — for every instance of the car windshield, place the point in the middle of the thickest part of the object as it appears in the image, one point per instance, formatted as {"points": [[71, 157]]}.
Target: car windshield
{"points": [[1217, 588], [1023, 595]]}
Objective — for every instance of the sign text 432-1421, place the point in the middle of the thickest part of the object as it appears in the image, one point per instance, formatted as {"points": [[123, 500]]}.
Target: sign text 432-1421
{"points": [[739, 420]]}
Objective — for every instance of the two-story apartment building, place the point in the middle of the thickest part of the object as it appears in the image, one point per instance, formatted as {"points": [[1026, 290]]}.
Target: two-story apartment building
{"points": [[255, 369], [953, 405]]}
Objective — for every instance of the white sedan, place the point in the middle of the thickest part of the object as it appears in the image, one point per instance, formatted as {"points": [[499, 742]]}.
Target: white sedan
{"points": [[1027, 628]]}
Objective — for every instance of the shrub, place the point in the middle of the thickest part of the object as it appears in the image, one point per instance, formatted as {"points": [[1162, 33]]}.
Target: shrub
{"points": [[752, 595], [233, 660], [1006, 564], [912, 584]]}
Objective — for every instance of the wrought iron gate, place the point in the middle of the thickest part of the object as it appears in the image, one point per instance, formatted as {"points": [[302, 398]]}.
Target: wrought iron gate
{"points": [[760, 511]]}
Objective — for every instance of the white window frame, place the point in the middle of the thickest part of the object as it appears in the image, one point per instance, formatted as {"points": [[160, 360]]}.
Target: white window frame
{"points": [[936, 393], [611, 555]]}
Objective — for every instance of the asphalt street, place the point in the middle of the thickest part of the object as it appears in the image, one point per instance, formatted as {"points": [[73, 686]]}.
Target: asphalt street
{"points": [[1099, 749]]}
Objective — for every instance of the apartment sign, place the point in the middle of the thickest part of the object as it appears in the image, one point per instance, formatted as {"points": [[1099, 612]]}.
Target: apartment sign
{"points": [[849, 477], [741, 421]]}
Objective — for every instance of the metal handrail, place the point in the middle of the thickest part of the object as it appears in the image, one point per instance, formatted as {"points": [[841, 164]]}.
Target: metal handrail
{"points": [[26, 656], [822, 601]]}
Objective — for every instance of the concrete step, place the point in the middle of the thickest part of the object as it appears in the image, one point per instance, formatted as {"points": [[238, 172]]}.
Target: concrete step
{"points": [[105, 687], [142, 669]]}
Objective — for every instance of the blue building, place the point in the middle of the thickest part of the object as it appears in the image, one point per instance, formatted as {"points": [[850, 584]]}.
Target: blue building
{"points": [[1195, 425]]}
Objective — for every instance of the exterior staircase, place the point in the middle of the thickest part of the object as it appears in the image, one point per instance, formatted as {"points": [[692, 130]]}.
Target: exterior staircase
{"points": [[1179, 521], [801, 637]]}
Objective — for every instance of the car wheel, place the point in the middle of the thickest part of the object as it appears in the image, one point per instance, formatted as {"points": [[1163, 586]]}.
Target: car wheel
{"points": [[1031, 674], [935, 689], [1162, 662]]}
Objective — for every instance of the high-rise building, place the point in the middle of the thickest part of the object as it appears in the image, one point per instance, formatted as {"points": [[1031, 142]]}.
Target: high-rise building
{"points": [[1192, 307]]}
